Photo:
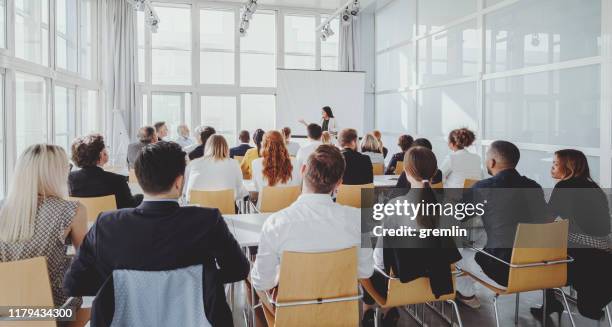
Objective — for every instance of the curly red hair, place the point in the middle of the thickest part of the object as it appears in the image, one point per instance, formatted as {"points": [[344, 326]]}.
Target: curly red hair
{"points": [[277, 167]]}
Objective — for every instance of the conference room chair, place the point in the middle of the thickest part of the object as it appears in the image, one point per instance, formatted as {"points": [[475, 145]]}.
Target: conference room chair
{"points": [[25, 283], [97, 205], [437, 185], [132, 179], [222, 200], [276, 198], [399, 168], [378, 169], [350, 195], [238, 158], [316, 289], [468, 183], [401, 294], [539, 262]]}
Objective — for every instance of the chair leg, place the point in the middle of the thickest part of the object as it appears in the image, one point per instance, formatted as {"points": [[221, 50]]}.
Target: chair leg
{"points": [[609, 318], [495, 307], [516, 308], [567, 307], [376, 314], [456, 309], [544, 308]]}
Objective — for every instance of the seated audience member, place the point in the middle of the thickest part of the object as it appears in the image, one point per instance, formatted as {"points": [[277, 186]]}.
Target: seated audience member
{"points": [[35, 220], [89, 153], [198, 152], [358, 166], [371, 148], [413, 258], [275, 167], [292, 147], [183, 139], [146, 135], [160, 235], [162, 130], [460, 164], [378, 135], [404, 142], [402, 181], [314, 140], [252, 154], [579, 199], [314, 223], [326, 138], [243, 147], [215, 171]]}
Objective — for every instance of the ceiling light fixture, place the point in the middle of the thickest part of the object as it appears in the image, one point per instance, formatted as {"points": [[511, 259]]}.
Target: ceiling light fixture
{"points": [[151, 18], [248, 10], [348, 12]]}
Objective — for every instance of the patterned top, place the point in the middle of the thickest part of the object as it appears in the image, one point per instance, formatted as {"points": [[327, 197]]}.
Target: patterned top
{"points": [[53, 218]]}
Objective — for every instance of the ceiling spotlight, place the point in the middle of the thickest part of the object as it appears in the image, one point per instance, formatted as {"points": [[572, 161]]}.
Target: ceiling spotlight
{"points": [[355, 8], [326, 32], [248, 10], [535, 39]]}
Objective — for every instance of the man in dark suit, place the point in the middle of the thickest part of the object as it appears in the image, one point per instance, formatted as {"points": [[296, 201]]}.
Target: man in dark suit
{"points": [[243, 147], [146, 135], [358, 166], [161, 235], [89, 153], [198, 152], [162, 130]]}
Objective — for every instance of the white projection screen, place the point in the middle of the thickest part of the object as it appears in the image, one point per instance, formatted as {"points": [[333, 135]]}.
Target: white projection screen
{"points": [[302, 94]]}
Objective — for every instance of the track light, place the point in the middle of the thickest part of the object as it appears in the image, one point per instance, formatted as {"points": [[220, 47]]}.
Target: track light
{"points": [[326, 32], [346, 17], [151, 18], [248, 10], [354, 8]]}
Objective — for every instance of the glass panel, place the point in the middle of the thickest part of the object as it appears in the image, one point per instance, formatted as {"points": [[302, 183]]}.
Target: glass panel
{"points": [[66, 34], [557, 107], [329, 63], [171, 67], [87, 37], [145, 111], [531, 33], [2, 149], [141, 46], [258, 57], [393, 69], [442, 109], [64, 117], [489, 3], [220, 112], [395, 23], [2, 39], [257, 111], [217, 32], [261, 33], [434, 14], [257, 70], [330, 48], [401, 107], [299, 62], [89, 113], [167, 107], [450, 54], [171, 54], [32, 30], [300, 39], [216, 67], [30, 101]]}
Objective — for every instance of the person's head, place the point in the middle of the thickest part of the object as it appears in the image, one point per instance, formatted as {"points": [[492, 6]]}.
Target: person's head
{"points": [[502, 155], [287, 134], [405, 142], [570, 163], [244, 137], [160, 169], [378, 135], [206, 132], [369, 143], [41, 172], [348, 138], [277, 167], [460, 138], [326, 112], [422, 142], [326, 138], [147, 134], [216, 148], [420, 165], [89, 151], [322, 173], [161, 129], [183, 130], [258, 138], [314, 132]]}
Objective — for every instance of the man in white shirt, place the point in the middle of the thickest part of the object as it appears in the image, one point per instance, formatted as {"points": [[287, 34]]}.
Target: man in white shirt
{"points": [[292, 147], [183, 139], [314, 223], [314, 140]]}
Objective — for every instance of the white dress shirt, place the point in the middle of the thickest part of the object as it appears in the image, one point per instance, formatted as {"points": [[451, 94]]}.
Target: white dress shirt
{"points": [[184, 141], [306, 151], [459, 166], [293, 148], [314, 223], [206, 174], [261, 182]]}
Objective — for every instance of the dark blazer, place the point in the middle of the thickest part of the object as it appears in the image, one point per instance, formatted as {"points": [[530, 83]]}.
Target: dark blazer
{"points": [[385, 152], [358, 168], [95, 181], [132, 154], [159, 236], [239, 150], [198, 152], [393, 163]]}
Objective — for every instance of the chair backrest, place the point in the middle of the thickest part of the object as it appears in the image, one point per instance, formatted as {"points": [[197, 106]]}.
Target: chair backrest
{"points": [[378, 169], [399, 168], [132, 179], [25, 283], [536, 243], [414, 292], [238, 158], [222, 200], [312, 276], [97, 205], [437, 185], [350, 195], [276, 198], [468, 183]]}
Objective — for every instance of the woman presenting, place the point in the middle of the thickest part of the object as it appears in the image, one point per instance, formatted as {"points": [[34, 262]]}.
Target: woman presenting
{"points": [[328, 122]]}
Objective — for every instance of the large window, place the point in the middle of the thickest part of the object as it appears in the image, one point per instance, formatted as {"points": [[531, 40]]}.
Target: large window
{"points": [[220, 112], [64, 116], [331, 47], [217, 43], [87, 37], [171, 108], [171, 46], [66, 34], [32, 30], [258, 51], [2, 148], [2, 26], [300, 42], [89, 114], [257, 111], [140, 30], [30, 102]]}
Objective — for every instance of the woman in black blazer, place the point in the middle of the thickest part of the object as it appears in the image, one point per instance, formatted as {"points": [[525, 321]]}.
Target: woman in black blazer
{"points": [[89, 153]]}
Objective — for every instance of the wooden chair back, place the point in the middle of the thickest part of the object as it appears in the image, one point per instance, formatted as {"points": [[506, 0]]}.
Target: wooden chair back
{"points": [[350, 195], [222, 200], [468, 183], [276, 198], [414, 292], [97, 205], [378, 169], [312, 276], [437, 185], [399, 168]]}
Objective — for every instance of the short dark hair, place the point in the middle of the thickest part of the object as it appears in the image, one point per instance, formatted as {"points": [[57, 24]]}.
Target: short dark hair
{"points": [[324, 168], [347, 136], [258, 138], [158, 165], [206, 133], [507, 152], [314, 131], [286, 132], [86, 150], [244, 137], [422, 142], [405, 142], [159, 125], [145, 134]]}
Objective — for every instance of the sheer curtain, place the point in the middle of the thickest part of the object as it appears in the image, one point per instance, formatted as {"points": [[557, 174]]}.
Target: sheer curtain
{"points": [[118, 70], [349, 45]]}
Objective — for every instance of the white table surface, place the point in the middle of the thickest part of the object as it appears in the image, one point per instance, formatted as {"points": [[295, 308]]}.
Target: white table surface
{"points": [[246, 228]]}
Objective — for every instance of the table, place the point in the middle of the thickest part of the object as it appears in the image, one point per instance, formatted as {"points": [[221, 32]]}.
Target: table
{"points": [[247, 227], [379, 181]]}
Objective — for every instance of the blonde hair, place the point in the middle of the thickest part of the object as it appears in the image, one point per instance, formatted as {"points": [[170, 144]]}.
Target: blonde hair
{"points": [[41, 172], [326, 138], [370, 144], [216, 148]]}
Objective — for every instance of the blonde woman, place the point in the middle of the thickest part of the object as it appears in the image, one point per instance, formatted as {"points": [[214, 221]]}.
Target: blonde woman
{"points": [[35, 218], [326, 138], [378, 135], [372, 148], [215, 171]]}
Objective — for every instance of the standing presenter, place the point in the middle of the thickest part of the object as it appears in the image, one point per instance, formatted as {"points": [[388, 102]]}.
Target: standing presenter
{"points": [[328, 122]]}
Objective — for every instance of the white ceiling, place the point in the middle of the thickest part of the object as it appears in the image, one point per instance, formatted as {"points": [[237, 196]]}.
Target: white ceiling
{"points": [[315, 4]]}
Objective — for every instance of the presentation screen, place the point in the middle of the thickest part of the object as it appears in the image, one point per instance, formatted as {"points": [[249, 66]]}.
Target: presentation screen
{"points": [[302, 93]]}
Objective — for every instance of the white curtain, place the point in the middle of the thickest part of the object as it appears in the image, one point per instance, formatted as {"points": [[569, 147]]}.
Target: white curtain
{"points": [[349, 45], [119, 74]]}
